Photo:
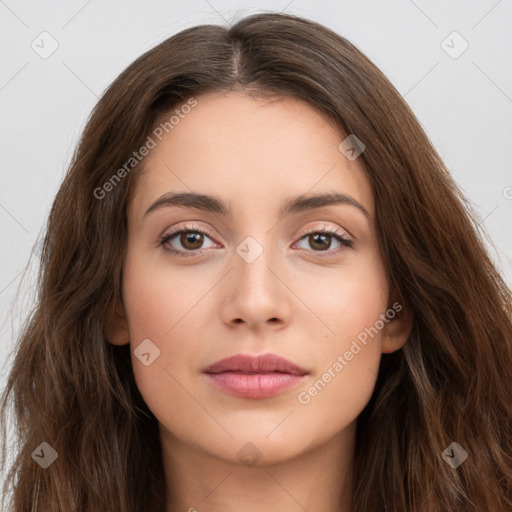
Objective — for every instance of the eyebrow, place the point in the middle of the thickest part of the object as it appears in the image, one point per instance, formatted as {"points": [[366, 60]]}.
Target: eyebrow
{"points": [[213, 204]]}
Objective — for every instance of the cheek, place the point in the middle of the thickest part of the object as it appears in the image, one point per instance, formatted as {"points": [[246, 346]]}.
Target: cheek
{"points": [[346, 363], [156, 298], [347, 355], [345, 302], [160, 307]]}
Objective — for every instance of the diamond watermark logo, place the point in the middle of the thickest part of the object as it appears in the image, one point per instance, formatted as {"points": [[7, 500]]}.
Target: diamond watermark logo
{"points": [[44, 455], [249, 249], [146, 352], [44, 45], [454, 455], [351, 147], [454, 45], [249, 454]]}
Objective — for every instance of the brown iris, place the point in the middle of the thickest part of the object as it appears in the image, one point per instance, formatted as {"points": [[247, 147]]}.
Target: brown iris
{"points": [[320, 240], [193, 238]]}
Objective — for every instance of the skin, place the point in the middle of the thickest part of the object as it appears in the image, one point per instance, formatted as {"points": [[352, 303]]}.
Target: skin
{"points": [[255, 154]]}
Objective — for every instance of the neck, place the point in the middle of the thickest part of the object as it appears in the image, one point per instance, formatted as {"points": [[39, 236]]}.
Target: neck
{"points": [[318, 479]]}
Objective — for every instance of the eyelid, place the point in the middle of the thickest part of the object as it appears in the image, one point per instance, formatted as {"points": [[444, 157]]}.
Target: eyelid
{"points": [[328, 229], [187, 227]]}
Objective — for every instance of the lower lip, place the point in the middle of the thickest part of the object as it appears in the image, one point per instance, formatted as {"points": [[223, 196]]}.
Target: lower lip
{"points": [[255, 385]]}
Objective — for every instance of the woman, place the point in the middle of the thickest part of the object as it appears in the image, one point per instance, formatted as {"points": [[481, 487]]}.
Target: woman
{"points": [[261, 289]]}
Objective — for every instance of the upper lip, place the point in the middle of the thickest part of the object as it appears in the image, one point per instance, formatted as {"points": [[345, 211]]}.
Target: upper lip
{"points": [[246, 363]]}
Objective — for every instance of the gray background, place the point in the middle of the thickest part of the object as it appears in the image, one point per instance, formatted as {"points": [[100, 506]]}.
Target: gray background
{"points": [[463, 103]]}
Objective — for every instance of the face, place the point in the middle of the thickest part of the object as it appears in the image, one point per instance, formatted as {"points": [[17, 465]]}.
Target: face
{"points": [[305, 283]]}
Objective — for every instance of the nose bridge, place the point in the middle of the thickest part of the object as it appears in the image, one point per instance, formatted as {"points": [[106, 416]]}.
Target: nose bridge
{"points": [[254, 256], [258, 248], [255, 294]]}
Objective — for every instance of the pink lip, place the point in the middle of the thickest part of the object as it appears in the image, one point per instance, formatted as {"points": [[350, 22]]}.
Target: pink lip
{"points": [[254, 376]]}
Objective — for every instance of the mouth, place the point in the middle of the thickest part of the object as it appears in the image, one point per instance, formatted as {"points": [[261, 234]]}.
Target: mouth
{"points": [[254, 377]]}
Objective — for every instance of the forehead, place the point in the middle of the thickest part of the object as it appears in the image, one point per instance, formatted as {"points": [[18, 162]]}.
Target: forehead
{"points": [[250, 152]]}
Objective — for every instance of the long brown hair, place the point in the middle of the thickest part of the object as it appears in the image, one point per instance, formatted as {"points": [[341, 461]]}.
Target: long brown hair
{"points": [[451, 383]]}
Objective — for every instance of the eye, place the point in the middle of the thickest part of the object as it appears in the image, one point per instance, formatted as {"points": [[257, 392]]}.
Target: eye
{"points": [[190, 238], [321, 240]]}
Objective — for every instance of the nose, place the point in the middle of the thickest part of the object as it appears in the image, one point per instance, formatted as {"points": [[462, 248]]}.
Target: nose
{"points": [[256, 295]]}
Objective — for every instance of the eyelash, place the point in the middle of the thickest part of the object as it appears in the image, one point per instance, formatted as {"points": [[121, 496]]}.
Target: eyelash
{"points": [[339, 236]]}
